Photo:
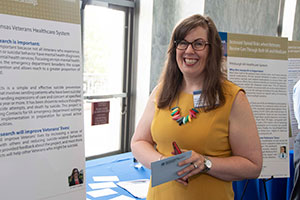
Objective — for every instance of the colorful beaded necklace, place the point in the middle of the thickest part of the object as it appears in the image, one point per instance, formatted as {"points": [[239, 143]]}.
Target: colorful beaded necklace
{"points": [[175, 113]]}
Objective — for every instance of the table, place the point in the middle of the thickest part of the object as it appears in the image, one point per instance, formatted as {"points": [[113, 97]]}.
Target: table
{"points": [[122, 165]]}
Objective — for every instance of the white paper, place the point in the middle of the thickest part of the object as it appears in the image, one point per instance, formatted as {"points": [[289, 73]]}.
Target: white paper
{"points": [[122, 197], [46, 133], [258, 64], [106, 178], [101, 193], [138, 188], [102, 185]]}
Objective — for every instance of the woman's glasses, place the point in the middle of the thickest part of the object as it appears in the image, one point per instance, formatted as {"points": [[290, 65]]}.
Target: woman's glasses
{"points": [[198, 45]]}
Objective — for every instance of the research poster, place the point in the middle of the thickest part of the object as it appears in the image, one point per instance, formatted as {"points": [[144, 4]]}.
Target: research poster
{"points": [[41, 118], [259, 65], [293, 77]]}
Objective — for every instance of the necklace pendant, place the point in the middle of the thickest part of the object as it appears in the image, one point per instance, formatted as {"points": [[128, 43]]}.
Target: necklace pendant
{"points": [[175, 114], [180, 119], [176, 117]]}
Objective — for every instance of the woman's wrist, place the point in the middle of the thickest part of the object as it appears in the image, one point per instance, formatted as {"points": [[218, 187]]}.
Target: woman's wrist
{"points": [[161, 157]]}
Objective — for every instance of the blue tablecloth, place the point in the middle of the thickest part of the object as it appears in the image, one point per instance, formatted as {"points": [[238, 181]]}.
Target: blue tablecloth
{"points": [[122, 166]]}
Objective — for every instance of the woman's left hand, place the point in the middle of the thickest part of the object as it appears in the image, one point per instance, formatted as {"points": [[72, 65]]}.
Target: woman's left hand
{"points": [[196, 162]]}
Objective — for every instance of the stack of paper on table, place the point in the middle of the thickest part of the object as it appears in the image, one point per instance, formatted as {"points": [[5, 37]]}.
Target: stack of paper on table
{"points": [[102, 185]]}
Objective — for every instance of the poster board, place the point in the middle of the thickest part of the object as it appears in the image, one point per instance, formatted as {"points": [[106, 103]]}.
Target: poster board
{"points": [[293, 77], [41, 116], [258, 64]]}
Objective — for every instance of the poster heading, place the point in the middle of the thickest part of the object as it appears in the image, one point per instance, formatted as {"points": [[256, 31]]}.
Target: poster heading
{"points": [[34, 30], [254, 46]]}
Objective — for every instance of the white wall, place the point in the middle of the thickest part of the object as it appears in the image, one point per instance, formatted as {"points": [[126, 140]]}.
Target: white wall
{"points": [[143, 56]]}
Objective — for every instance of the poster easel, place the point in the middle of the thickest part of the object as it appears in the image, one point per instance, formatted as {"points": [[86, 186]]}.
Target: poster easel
{"points": [[264, 183]]}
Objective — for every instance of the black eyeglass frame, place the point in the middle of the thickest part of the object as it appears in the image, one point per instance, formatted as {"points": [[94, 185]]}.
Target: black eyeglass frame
{"points": [[176, 42]]}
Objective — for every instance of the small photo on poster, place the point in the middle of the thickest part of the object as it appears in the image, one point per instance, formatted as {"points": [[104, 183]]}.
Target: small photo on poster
{"points": [[282, 152], [76, 177]]}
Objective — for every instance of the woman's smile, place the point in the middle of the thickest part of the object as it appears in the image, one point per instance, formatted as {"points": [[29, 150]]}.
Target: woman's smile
{"points": [[190, 61]]}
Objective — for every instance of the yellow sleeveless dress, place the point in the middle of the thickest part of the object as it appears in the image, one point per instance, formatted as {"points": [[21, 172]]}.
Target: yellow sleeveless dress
{"points": [[207, 134]]}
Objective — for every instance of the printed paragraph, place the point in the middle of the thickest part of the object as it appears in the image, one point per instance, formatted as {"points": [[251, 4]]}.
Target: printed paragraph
{"points": [[39, 102]]}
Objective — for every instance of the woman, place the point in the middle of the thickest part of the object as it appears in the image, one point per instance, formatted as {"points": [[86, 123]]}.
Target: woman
{"points": [[219, 129], [75, 178]]}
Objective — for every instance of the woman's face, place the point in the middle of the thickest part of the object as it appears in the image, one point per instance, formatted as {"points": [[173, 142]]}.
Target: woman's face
{"points": [[76, 173], [192, 63]]}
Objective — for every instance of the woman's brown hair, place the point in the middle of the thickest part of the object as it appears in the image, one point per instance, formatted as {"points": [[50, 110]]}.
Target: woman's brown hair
{"points": [[171, 78]]}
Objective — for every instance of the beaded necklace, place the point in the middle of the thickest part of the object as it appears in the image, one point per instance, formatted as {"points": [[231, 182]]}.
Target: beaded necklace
{"points": [[175, 113]]}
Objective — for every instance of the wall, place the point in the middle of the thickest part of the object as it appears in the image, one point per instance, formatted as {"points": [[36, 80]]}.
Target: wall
{"points": [[247, 16], [143, 41], [166, 15], [296, 33]]}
